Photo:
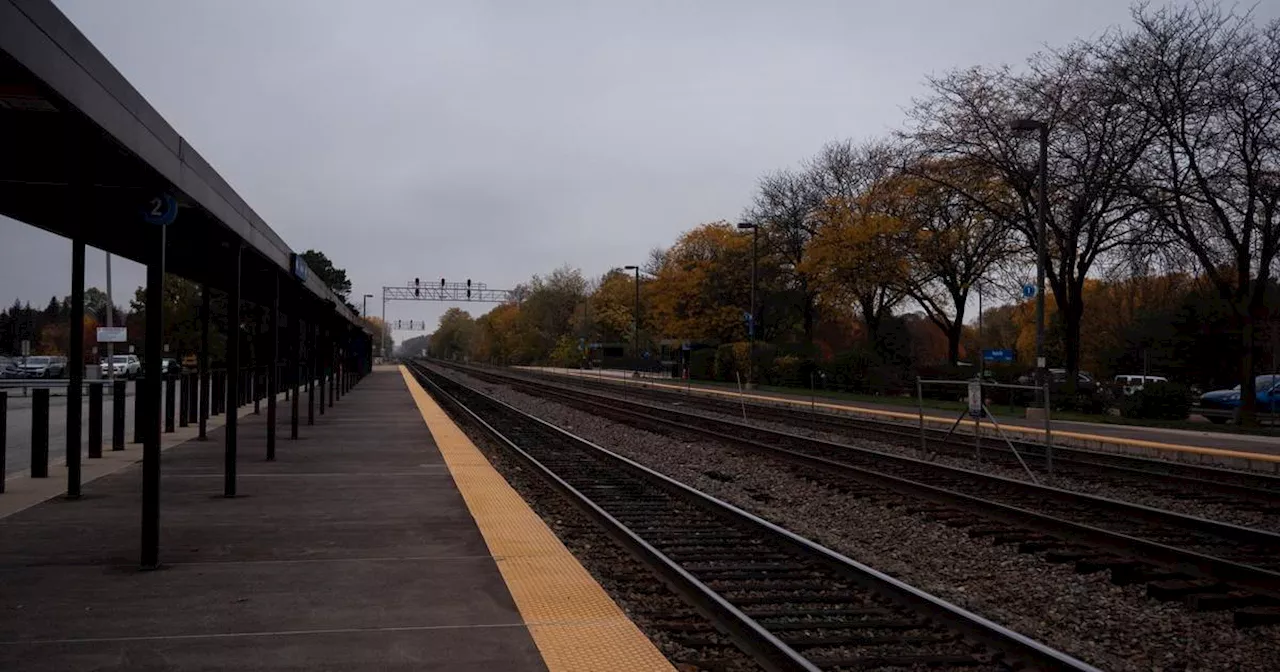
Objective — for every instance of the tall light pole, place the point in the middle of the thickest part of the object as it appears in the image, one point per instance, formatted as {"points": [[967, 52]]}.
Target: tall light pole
{"points": [[1042, 212], [635, 330], [364, 305], [751, 322]]}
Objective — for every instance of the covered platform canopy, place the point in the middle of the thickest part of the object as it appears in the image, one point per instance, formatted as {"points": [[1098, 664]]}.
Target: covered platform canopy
{"points": [[83, 155]]}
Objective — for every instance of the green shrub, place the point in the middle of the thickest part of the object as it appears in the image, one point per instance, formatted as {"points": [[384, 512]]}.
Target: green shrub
{"points": [[1157, 401], [702, 364]]}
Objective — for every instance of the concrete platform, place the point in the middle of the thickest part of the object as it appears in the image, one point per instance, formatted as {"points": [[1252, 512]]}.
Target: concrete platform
{"points": [[352, 551], [1233, 449]]}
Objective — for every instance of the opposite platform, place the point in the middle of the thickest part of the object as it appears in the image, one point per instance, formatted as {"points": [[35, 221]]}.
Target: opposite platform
{"points": [[352, 551]]}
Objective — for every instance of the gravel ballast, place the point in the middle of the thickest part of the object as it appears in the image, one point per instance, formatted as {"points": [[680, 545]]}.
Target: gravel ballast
{"points": [[1115, 628]]}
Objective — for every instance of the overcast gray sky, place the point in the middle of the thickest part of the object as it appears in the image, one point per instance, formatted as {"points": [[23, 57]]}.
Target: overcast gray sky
{"points": [[493, 141]]}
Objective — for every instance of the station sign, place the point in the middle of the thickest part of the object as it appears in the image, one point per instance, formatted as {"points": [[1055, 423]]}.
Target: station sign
{"points": [[160, 210], [1028, 291], [300, 269], [998, 355], [975, 399], [112, 334]]}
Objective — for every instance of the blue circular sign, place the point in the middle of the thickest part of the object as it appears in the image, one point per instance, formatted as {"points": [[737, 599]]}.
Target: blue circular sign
{"points": [[160, 210]]}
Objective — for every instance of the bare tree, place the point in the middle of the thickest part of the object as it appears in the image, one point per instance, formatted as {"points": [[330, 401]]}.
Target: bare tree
{"points": [[953, 243], [1207, 80], [783, 209], [1096, 138]]}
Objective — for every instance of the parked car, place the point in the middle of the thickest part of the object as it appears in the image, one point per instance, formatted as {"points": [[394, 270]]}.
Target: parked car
{"points": [[42, 366], [125, 366], [1133, 383], [1058, 381], [9, 368], [1220, 406]]}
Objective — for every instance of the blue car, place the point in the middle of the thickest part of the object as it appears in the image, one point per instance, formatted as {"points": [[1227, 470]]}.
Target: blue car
{"points": [[1220, 406]]}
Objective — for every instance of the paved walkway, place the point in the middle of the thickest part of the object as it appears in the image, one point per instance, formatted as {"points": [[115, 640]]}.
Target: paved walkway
{"points": [[352, 551]]}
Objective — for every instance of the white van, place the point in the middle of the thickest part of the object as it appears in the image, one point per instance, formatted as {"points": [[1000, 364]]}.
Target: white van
{"points": [[1133, 384]]}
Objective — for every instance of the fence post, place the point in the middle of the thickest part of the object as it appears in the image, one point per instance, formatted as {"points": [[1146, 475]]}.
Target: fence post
{"points": [[40, 433], [920, 406], [117, 414], [1048, 433], [95, 420]]}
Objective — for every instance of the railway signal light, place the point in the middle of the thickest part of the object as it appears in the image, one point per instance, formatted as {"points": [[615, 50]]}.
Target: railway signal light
{"points": [[468, 289], [415, 287], [441, 283]]}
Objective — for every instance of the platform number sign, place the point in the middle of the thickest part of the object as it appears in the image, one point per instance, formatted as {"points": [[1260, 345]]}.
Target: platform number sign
{"points": [[160, 210], [1028, 291]]}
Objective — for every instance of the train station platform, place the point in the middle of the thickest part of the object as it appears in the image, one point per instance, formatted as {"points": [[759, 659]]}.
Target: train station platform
{"points": [[1233, 449], [354, 550]]}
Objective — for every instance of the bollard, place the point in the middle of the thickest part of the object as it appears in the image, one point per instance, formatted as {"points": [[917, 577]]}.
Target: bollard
{"points": [[40, 433], [4, 430], [95, 420], [139, 410], [214, 395], [193, 399], [170, 386], [184, 398], [117, 415]]}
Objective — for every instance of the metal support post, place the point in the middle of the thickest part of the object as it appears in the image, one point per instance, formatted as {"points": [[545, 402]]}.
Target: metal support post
{"points": [[118, 391], [75, 360], [150, 418], [40, 433], [273, 370], [311, 375], [4, 431], [202, 361], [233, 374], [295, 369], [95, 420]]}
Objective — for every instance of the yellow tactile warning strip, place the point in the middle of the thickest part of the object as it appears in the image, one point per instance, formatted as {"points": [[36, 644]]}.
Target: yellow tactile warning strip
{"points": [[574, 623], [933, 419]]}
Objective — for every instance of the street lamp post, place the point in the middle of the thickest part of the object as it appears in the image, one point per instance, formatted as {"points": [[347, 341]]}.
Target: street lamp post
{"points": [[364, 305], [635, 325], [1042, 213], [751, 323]]}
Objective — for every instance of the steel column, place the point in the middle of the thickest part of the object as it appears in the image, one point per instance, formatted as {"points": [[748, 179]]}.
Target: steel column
{"points": [[203, 361], [311, 373], [148, 414], [75, 360], [4, 431], [234, 377], [273, 369], [295, 358]]}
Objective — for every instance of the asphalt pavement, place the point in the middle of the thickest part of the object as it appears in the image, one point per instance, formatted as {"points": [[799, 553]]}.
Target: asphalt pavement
{"points": [[18, 427]]}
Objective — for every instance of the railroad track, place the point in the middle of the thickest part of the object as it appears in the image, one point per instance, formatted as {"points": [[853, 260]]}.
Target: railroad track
{"points": [[1207, 564], [1247, 491], [788, 602]]}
